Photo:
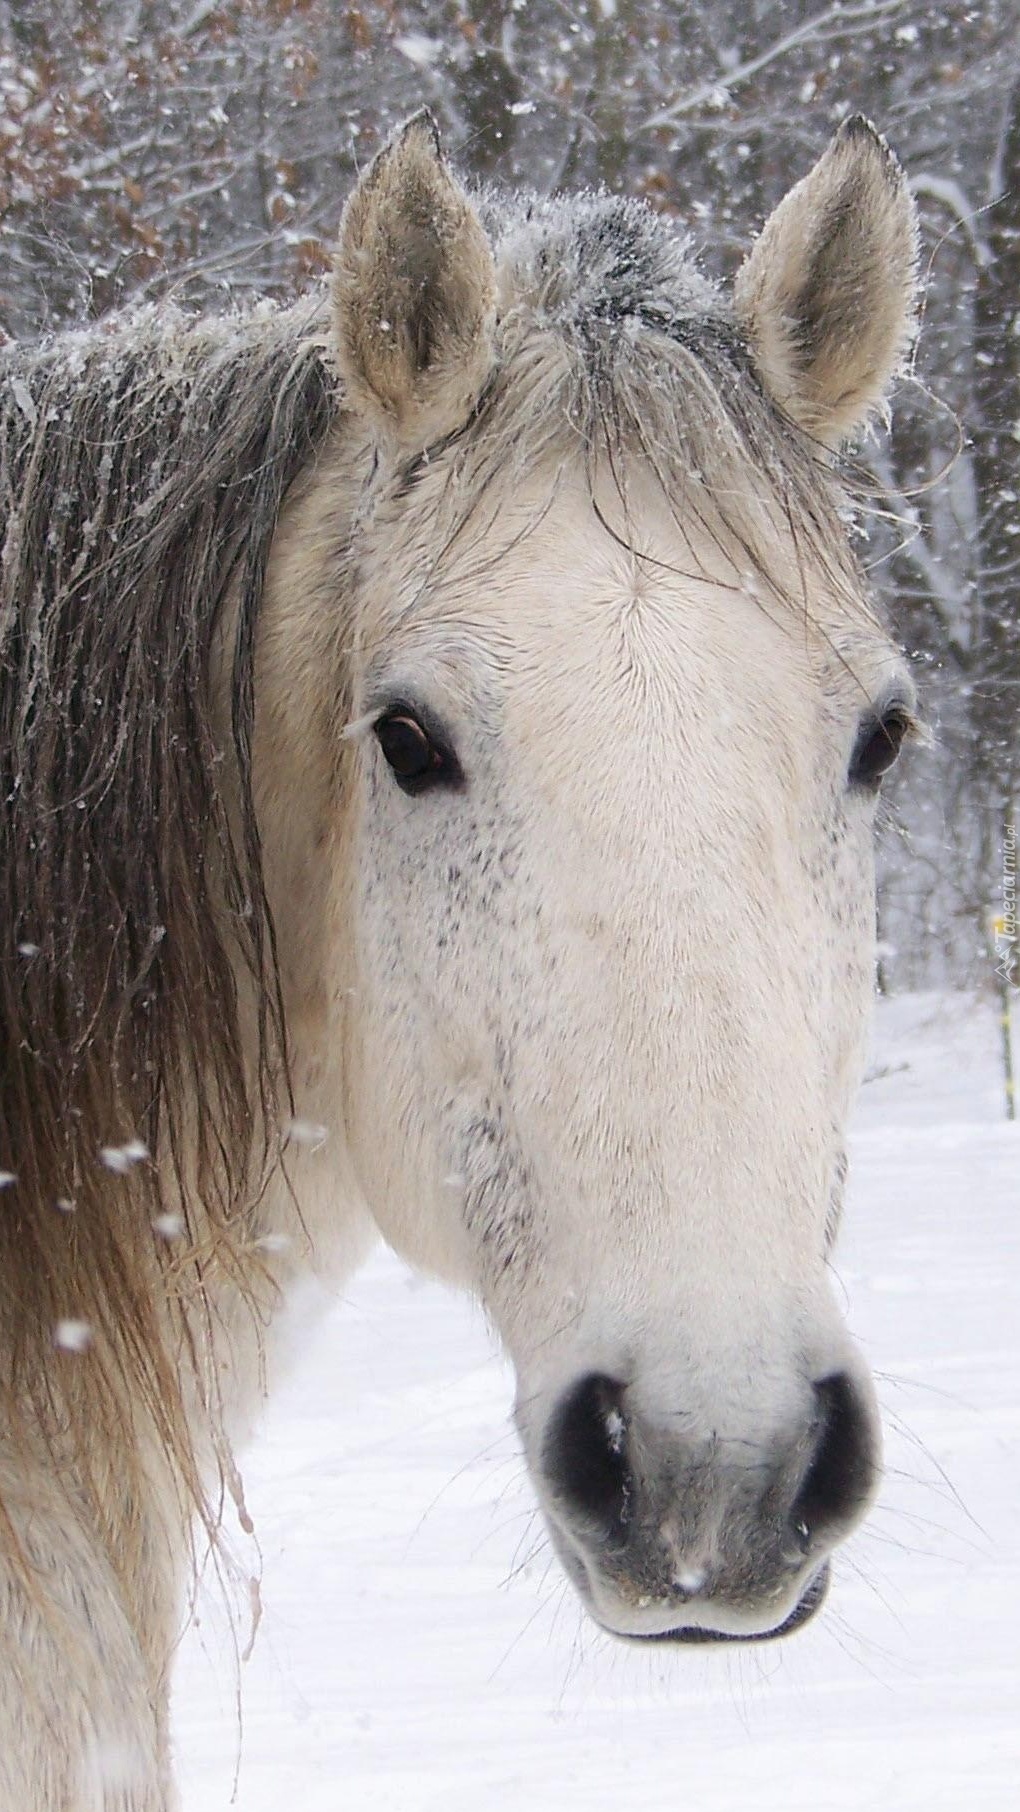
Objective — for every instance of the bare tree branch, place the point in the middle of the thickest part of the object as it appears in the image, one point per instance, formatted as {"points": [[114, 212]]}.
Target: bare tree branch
{"points": [[837, 21]]}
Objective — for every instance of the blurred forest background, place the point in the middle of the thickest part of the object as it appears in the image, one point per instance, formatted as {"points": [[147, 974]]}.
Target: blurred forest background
{"points": [[155, 147]]}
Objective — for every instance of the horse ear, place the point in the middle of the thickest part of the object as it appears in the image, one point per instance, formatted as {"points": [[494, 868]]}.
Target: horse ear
{"points": [[414, 291], [827, 295]]}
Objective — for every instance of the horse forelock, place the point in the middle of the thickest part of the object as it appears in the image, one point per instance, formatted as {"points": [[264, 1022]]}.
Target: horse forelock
{"points": [[611, 345]]}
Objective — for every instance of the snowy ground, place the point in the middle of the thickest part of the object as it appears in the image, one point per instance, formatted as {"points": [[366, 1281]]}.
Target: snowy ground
{"points": [[418, 1649]]}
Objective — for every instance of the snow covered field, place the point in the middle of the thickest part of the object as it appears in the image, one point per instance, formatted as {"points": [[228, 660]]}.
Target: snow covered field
{"points": [[419, 1649]]}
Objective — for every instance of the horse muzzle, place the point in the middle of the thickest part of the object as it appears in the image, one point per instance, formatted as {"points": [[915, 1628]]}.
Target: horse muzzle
{"points": [[695, 1536]]}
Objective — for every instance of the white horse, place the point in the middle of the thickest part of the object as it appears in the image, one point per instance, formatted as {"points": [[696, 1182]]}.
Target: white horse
{"points": [[450, 717]]}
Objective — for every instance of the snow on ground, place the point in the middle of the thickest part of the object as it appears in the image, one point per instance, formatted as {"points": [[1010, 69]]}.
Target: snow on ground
{"points": [[419, 1650]]}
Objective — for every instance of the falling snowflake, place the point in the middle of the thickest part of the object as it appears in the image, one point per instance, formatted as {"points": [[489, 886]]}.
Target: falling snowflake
{"points": [[72, 1336], [690, 1580], [418, 49], [616, 1430], [120, 1158], [306, 1132], [272, 1242]]}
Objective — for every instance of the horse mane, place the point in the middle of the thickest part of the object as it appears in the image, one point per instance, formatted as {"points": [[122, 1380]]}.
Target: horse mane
{"points": [[142, 471]]}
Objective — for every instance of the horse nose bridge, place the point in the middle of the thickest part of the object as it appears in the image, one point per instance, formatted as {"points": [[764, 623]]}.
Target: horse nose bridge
{"points": [[670, 1043]]}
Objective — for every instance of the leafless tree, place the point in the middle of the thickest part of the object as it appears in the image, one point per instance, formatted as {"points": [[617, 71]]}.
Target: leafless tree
{"points": [[155, 147]]}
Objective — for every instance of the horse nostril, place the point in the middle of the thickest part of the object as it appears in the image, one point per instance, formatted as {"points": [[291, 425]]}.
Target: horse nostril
{"points": [[585, 1453], [841, 1472]]}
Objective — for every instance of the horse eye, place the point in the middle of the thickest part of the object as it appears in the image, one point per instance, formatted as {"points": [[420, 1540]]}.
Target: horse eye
{"points": [[416, 759], [878, 743]]}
